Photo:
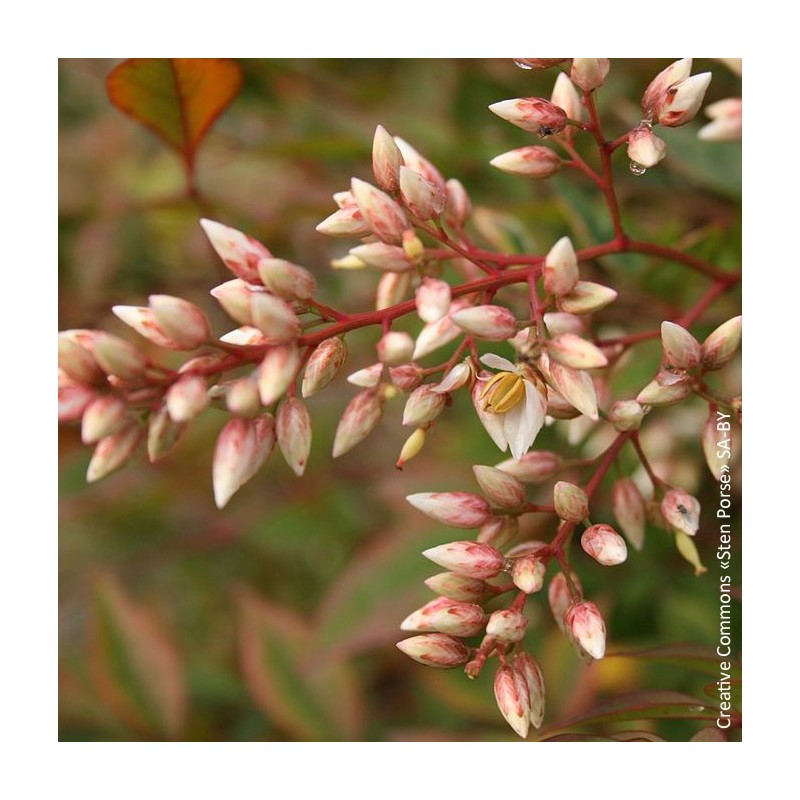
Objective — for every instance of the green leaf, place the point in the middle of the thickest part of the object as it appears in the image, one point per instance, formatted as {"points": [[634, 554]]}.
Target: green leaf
{"points": [[735, 691], [689, 656]]}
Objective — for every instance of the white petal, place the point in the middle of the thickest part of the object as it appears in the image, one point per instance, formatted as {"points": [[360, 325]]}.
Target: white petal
{"points": [[524, 421], [497, 362], [492, 422]]}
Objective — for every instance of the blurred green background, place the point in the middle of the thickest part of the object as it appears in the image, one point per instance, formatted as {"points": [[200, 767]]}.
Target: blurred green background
{"points": [[276, 618]]}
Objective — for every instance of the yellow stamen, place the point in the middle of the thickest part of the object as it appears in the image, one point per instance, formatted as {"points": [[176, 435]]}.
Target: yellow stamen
{"points": [[502, 392]]}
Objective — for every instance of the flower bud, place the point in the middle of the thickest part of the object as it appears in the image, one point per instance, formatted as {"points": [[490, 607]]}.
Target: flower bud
{"points": [[585, 297], [368, 378], [183, 322], [458, 204], [492, 323], [234, 297], [627, 504], [423, 406], [422, 198], [498, 532], [534, 114], [458, 587], [584, 622], [118, 357], [538, 63], [645, 148], [721, 345], [387, 257], [507, 626], [656, 394], [533, 467], [420, 164], [571, 502], [347, 221], [288, 280], [566, 96], [736, 407], [293, 430], [604, 545], [561, 268], [500, 488], [236, 445], [277, 371], [528, 573], [163, 433], [246, 336], [472, 559], [187, 397], [532, 162], [323, 365], [681, 511], [264, 428], [274, 317], [73, 400], [437, 334], [239, 253], [673, 74], [589, 73], [432, 299], [411, 448], [358, 421], [392, 288], [688, 549], [527, 666], [576, 387], [446, 615], [435, 650], [681, 349], [560, 598], [458, 509], [575, 352], [726, 121], [144, 322], [459, 376], [243, 399], [386, 160], [513, 699], [710, 439], [113, 451], [673, 97], [102, 417], [77, 362], [383, 216], [626, 415], [395, 348], [407, 377]]}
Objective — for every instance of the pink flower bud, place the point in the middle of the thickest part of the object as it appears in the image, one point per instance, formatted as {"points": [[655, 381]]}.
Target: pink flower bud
{"points": [[235, 448], [388, 257], [264, 428], [347, 221], [673, 98], [673, 74], [73, 400], [446, 615], [585, 297], [681, 349], [113, 451], [239, 253], [437, 334], [571, 502], [293, 429], [628, 507], [589, 73], [395, 347], [513, 699], [458, 587], [323, 365], [626, 415], [726, 121], [498, 532], [77, 362], [584, 622], [406, 377], [721, 345], [383, 216], [243, 399], [432, 299], [645, 148], [507, 626], [368, 378], [411, 448], [234, 297], [458, 204], [288, 280], [183, 322], [163, 433], [534, 114], [246, 336], [392, 289], [103, 416], [528, 574], [435, 650], [604, 545], [187, 397], [527, 666], [538, 63], [423, 406], [561, 268], [533, 467], [459, 509], [558, 322], [144, 322], [575, 352], [531, 162], [658, 394], [277, 371], [560, 598], [711, 437], [459, 376], [472, 559], [500, 488], [274, 317], [358, 421], [681, 511], [492, 323], [422, 198], [118, 357], [566, 96], [420, 164], [386, 160]]}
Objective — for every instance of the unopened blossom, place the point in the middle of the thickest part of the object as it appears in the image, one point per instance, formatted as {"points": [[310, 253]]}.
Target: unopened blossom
{"points": [[395, 347], [432, 299], [721, 344], [538, 63], [113, 451], [576, 387], [345, 222], [688, 549], [407, 377], [507, 625], [383, 256], [458, 203], [560, 598], [445, 615], [385, 218], [531, 162], [290, 281], [458, 376], [423, 406], [458, 587], [585, 623], [437, 334], [234, 297], [533, 467], [589, 73], [417, 162], [293, 430], [77, 362], [422, 198], [513, 699], [566, 96], [658, 393], [243, 399], [500, 488], [392, 288], [571, 502], [411, 448], [726, 121], [627, 504], [323, 365], [242, 447], [187, 397], [528, 573], [673, 97], [240, 253], [710, 439], [681, 511], [585, 297], [561, 267], [526, 665], [499, 531], [117, 357], [277, 371], [386, 160], [367, 378], [681, 349], [534, 114], [626, 415], [575, 352], [435, 650], [358, 421], [143, 321], [103, 416], [73, 400], [645, 148], [489, 322], [604, 545], [473, 559]]}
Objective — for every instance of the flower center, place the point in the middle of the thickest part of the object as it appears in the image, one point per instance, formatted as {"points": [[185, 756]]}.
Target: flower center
{"points": [[502, 392]]}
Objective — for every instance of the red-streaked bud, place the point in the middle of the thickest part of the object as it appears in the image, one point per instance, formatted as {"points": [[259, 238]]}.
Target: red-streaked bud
{"points": [[117, 357], [420, 164], [187, 397], [77, 362], [688, 549], [144, 322], [240, 253], [589, 73], [584, 622], [500, 488], [721, 345], [368, 378], [585, 297], [395, 347], [73, 400], [658, 394], [264, 428], [386, 160], [473, 559], [534, 114], [558, 322], [492, 323], [570, 501], [458, 204], [407, 377], [423, 406], [446, 615], [435, 650], [566, 96], [233, 454], [681, 511], [458, 587], [726, 121], [531, 162], [459, 376], [681, 349], [246, 336], [392, 289], [383, 216], [183, 322], [163, 433], [681, 102], [347, 221], [411, 448], [437, 334], [711, 438], [103, 416], [576, 387], [424, 200], [274, 317], [507, 626], [114, 451], [575, 352], [626, 415], [498, 532], [533, 467], [529, 548], [527, 666], [459, 509], [277, 371], [527, 573], [290, 281], [433, 299], [645, 148], [538, 63], [627, 504], [561, 268], [383, 256], [293, 429], [323, 365], [513, 699], [604, 545], [673, 74], [358, 421], [234, 297], [560, 598], [243, 399]]}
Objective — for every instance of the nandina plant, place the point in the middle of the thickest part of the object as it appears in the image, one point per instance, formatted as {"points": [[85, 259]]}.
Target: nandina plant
{"points": [[527, 338]]}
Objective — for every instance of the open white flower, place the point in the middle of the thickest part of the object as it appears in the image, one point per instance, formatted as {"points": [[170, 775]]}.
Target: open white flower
{"points": [[511, 404]]}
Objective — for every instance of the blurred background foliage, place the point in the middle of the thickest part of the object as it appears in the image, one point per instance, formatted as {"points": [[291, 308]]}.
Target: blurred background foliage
{"points": [[276, 619]]}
